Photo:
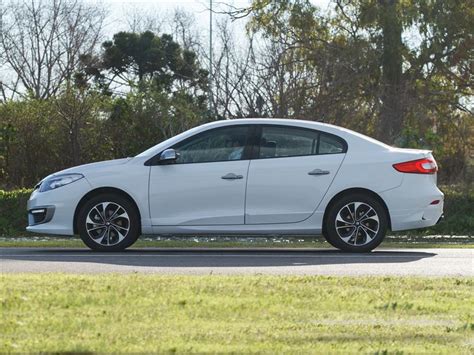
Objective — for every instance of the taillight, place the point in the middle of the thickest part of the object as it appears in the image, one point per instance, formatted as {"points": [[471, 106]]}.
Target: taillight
{"points": [[420, 166]]}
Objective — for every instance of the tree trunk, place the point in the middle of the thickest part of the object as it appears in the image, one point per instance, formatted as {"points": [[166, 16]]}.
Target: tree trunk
{"points": [[391, 113]]}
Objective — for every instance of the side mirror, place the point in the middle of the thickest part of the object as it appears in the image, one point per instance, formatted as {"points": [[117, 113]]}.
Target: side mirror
{"points": [[168, 156]]}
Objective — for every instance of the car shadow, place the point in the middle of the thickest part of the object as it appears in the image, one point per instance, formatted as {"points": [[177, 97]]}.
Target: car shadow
{"points": [[185, 258]]}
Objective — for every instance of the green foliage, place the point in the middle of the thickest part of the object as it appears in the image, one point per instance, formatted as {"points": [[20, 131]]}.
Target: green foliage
{"points": [[151, 116], [458, 210], [156, 59], [27, 132], [78, 127], [13, 216], [40, 137], [60, 313]]}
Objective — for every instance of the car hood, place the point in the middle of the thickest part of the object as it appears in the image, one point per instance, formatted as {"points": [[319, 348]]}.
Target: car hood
{"points": [[93, 167]]}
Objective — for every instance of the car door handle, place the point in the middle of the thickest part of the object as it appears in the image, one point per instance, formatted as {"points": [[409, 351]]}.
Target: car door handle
{"points": [[318, 172], [232, 176]]}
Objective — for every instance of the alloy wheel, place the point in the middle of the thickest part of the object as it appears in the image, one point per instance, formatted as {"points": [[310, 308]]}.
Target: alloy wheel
{"points": [[107, 223], [357, 223]]}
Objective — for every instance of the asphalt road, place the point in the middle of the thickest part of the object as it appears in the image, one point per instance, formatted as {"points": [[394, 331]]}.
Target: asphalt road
{"points": [[421, 262]]}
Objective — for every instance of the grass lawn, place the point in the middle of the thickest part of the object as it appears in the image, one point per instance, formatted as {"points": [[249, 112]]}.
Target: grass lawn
{"points": [[390, 242], [144, 313]]}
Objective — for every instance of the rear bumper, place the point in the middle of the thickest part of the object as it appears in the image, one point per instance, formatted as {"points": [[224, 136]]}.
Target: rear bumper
{"points": [[440, 218], [410, 206], [417, 218]]}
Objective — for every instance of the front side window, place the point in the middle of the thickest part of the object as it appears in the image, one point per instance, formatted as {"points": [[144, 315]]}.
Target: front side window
{"points": [[279, 141], [221, 144]]}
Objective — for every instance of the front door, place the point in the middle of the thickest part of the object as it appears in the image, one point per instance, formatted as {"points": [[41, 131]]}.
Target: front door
{"points": [[206, 184]]}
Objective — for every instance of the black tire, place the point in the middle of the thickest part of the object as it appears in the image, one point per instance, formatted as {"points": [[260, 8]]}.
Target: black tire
{"points": [[350, 234], [121, 234]]}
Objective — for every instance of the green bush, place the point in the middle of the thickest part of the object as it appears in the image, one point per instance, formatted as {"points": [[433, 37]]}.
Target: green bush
{"points": [[458, 211], [13, 216]]}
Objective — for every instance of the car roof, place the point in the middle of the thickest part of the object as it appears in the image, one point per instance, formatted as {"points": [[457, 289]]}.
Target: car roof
{"points": [[271, 121], [351, 137], [325, 127]]}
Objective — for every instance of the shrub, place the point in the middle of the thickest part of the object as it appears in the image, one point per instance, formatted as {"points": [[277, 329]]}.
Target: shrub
{"points": [[458, 212], [13, 216]]}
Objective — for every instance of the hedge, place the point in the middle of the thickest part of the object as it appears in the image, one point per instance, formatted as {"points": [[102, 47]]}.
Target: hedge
{"points": [[13, 217], [458, 211]]}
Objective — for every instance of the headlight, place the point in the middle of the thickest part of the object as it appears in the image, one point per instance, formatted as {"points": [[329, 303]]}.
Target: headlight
{"points": [[54, 182]]}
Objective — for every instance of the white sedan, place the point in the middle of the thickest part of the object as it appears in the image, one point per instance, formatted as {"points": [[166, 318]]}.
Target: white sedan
{"points": [[245, 177]]}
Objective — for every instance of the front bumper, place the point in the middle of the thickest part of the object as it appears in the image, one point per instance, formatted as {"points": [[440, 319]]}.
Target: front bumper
{"points": [[39, 215], [59, 206]]}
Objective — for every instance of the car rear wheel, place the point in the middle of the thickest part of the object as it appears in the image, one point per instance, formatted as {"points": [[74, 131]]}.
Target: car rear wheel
{"points": [[108, 222], [356, 223]]}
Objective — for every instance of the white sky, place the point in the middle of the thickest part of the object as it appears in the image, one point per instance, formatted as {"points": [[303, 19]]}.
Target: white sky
{"points": [[194, 5], [199, 8]]}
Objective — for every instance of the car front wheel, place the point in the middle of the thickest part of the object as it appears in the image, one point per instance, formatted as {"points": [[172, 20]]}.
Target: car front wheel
{"points": [[108, 222], [356, 223]]}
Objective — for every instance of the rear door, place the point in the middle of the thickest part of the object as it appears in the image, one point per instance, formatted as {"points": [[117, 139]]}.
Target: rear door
{"points": [[291, 171]]}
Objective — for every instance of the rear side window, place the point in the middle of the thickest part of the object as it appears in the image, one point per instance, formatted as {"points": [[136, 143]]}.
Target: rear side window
{"points": [[284, 141], [279, 141], [329, 144]]}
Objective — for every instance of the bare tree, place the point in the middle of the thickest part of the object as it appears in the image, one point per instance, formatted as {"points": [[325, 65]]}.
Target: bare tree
{"points": [[182, 25], [138, 20], [235, 93], [41, 42]]}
